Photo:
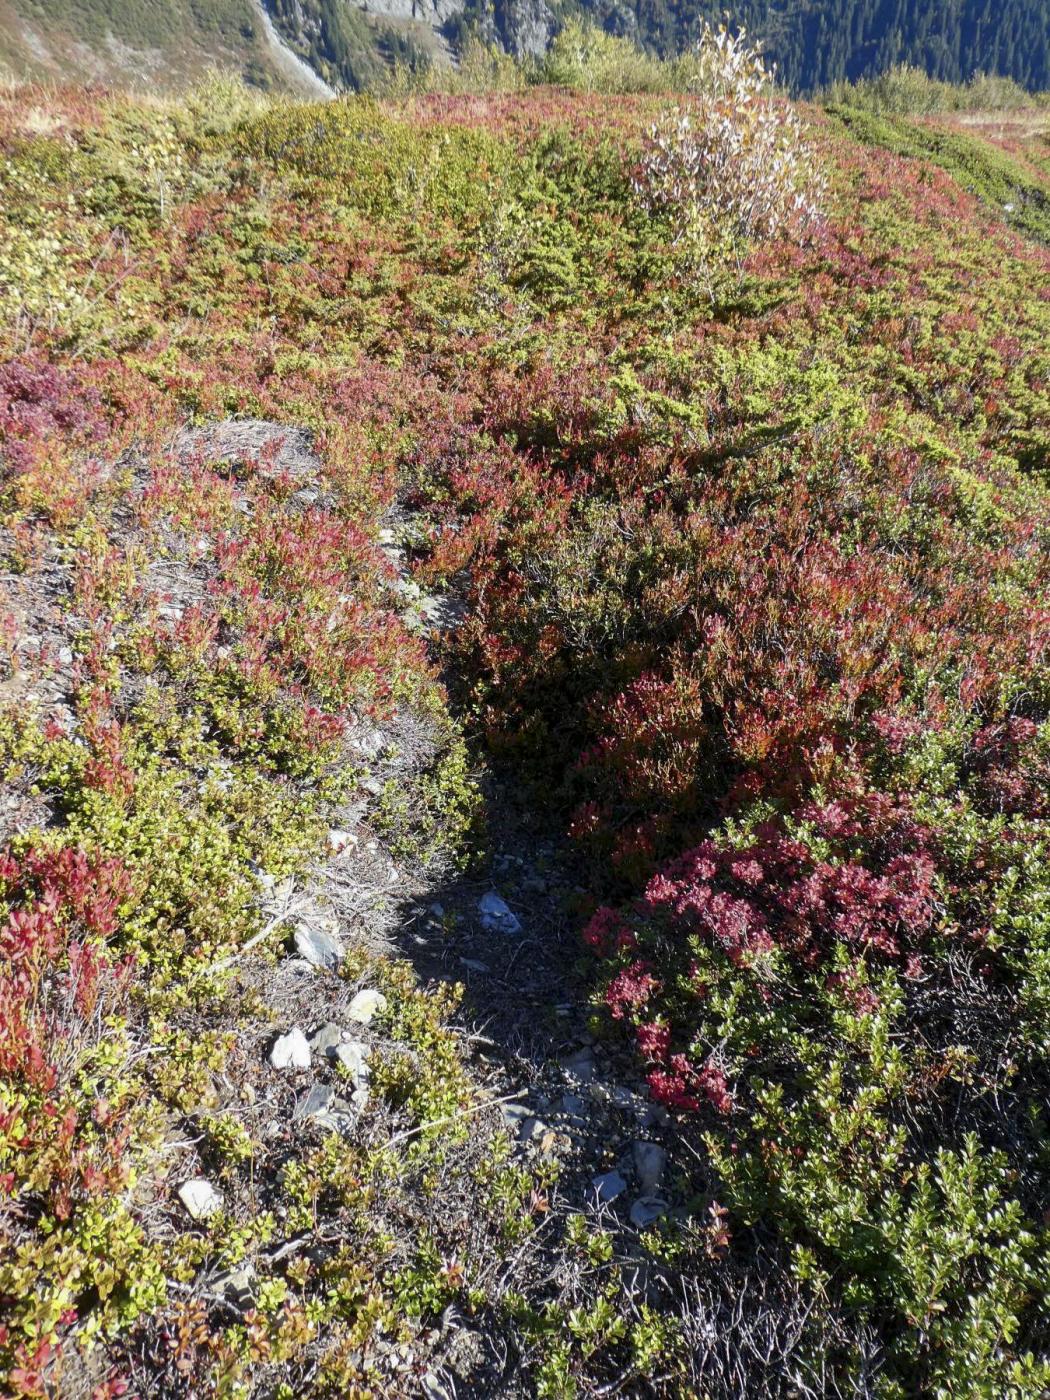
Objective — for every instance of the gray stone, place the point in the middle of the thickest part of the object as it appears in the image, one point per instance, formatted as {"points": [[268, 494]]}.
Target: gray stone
{"points": [[339, 841], [532, 1130], [645, 1210], [325, 1039], [579, 1066], [433, 1388], [365, 1005], [574, 1107], [290, 1051], [323, 1106], [299, 966], [619, 1097], [515, 1115], [650, 1159], [609, 1186], [316, 1100], [200, 1198], [441, 611], [472, 965], [655, 1115], [497, 916], [237, 1287], [320, 949]]}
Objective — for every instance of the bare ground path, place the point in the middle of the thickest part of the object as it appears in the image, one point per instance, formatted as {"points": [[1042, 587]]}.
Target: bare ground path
{"points": [[575, 1113]]}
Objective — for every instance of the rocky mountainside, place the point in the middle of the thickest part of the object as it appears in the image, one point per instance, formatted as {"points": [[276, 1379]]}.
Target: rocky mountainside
{"points": [[351, 44], [148, 44]]}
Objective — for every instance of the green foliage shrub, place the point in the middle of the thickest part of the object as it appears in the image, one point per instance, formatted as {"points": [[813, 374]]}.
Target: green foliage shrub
{"points": [[906, 90], [588, 59]]}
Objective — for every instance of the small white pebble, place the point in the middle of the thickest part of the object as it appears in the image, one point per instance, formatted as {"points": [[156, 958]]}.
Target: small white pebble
{"points": [[200, 1198]]}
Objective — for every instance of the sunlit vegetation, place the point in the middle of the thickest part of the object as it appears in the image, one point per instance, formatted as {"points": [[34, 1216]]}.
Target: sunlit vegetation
{"points": [[756, 583]]}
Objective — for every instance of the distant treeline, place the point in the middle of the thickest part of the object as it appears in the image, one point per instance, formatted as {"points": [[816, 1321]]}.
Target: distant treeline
{"points": [[815, 43]]}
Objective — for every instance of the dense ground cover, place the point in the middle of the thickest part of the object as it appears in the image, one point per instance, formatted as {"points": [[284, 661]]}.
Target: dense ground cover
{"points": [[756, 581]]}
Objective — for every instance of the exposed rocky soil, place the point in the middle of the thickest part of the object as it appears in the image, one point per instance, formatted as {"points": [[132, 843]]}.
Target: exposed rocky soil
{"points": [[502, 929]]}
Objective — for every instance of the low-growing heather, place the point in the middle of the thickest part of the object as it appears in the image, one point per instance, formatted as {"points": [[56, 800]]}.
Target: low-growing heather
{"points": [[754, 577]]}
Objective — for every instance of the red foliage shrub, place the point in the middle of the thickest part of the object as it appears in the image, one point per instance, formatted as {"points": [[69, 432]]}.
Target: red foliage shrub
{"points": [[57, 981], [40, 400], [1010, 767], [774, 892]]}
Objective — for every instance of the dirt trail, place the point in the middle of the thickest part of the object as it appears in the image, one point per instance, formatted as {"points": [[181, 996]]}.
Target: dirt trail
{"points": [[573, 1108]]}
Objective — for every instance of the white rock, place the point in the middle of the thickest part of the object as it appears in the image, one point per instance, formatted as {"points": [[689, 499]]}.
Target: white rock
{"points": [[609, 1186], [645, 1210], [319, 949], [291, 1051], [365, 1005], [370, 742], [338, 841], [200, 1198], [352, 1055], [496, 915], [650, 1159], [473, 965]]}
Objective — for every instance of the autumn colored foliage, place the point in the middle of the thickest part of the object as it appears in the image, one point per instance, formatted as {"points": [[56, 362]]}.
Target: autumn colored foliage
{"points": [[755, 578]]}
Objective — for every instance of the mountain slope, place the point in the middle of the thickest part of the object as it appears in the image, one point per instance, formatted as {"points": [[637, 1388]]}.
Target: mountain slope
{"points": [[350, 44], [814, 43], [150, 43]]}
